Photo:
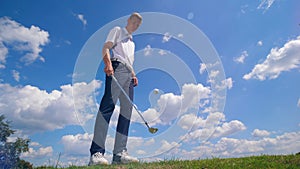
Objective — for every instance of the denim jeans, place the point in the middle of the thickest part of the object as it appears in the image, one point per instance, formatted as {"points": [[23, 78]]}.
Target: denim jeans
{"points": [[111, 94]]}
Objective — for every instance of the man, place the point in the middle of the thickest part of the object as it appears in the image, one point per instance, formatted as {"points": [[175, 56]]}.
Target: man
{"points": [[119, 64]]}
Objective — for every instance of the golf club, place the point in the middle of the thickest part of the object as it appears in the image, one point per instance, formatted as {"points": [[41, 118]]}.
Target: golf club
{"points": [[150, 129]]}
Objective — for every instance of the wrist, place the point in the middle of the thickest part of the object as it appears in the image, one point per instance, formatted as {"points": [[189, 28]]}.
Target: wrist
{"points": [[108, 64]]}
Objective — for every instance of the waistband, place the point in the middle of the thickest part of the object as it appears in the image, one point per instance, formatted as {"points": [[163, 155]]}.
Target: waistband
{"points": [[129, 67], [115, 59]]}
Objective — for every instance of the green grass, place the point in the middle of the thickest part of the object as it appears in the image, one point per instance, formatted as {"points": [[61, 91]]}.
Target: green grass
{"points": [[259, 162]]}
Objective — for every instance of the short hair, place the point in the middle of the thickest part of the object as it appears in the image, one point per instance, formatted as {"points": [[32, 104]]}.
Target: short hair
{"points": [[135, 14]]}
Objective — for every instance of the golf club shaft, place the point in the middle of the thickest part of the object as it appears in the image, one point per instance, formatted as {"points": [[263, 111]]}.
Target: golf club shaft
{"points": [[128, 98]]}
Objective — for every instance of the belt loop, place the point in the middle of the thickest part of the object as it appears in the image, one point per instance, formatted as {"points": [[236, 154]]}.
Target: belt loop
{"points": [[114, 59]]}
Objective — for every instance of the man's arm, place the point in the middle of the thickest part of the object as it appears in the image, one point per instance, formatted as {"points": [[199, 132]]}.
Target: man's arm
{"points": [[106, 58], [135, 79]]}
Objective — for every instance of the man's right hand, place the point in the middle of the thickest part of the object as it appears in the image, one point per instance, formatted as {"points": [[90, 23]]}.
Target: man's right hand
{"points": [[109, 70]]}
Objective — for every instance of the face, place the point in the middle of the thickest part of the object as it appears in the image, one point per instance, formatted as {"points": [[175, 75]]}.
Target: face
{"points": [[133, 24]]}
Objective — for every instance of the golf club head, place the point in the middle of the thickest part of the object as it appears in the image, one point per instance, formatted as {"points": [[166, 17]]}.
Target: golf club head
{"points": [[153, 130]]}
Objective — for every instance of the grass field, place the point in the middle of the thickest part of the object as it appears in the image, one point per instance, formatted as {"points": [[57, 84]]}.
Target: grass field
{"points": [[253, 162]]}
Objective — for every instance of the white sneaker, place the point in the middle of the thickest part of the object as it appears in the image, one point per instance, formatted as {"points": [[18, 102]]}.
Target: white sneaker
{"points": [[98, 159], [124, 158]]}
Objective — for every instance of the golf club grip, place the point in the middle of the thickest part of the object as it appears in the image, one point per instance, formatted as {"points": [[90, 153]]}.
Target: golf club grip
{"points": [[128, 98]]}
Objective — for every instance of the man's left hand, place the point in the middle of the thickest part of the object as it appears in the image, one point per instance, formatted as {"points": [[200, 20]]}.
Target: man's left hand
{"points": [[135, 81]]}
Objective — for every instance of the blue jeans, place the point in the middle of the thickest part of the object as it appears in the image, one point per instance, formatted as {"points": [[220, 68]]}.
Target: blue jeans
{"points": [[111, 94]]}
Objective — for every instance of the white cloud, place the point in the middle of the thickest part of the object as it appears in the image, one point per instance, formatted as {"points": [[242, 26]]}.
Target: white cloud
{"points": [[202, 68], [214, 119], [202, 128], [16, 75], [166, 37], [278, 61], [82, 19], [242, 57], [39, 153], [150, 142], [213, 74], [206, 149], [32, 109], [147, 50], [180, 35], [188, 121], [259, 43], [298, 104], [286, 143], [134, 143], [14, 36], [229, 146], [283, 144], [172, 106], [140, 152], [227, 83], [192, 94], [210, 67], [162, 52], [34, 144], [265, 4], [78, 144], [260, 133], [151, 115], [166, 146], [210, 128], [229, 128], [3, 53]]}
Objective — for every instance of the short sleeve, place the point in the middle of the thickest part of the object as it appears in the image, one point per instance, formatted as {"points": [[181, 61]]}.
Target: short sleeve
{"points": [[113, 35]]}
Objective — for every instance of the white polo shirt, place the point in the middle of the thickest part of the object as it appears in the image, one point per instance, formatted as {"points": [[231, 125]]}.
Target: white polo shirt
{"points": [[123, 49]]}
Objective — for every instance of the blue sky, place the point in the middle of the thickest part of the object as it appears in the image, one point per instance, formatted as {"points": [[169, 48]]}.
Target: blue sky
{"points": [[219, 79]]}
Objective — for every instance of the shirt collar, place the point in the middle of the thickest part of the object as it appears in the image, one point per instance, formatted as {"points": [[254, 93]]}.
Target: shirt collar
{"points": [[127, 34]]}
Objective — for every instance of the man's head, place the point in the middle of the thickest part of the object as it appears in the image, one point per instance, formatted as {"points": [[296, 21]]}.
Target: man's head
{"points": [[133, 22]]}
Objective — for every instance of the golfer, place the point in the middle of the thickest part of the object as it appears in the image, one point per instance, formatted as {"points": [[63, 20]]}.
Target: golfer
{"points": [[119, 64]]}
